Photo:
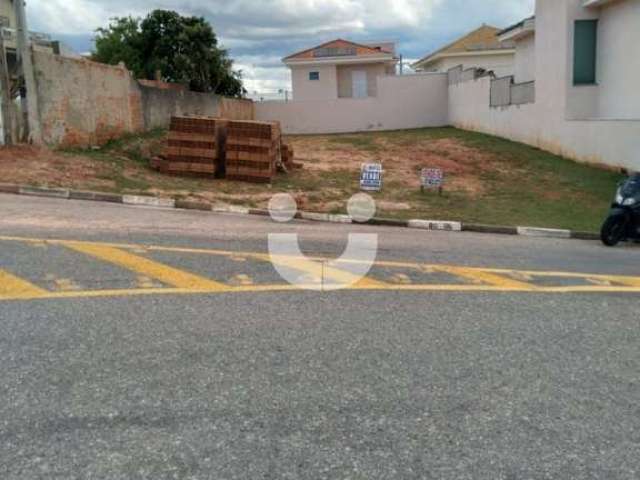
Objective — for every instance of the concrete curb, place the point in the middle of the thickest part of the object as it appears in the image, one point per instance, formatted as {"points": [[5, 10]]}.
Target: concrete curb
{"points": [[481, 228], [44, 192], [148, 201], [435, 225], [543, 232], [95, 196], [418, 224]]}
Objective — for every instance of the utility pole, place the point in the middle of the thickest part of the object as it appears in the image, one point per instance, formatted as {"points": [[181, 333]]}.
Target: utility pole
{"points": [[7, 102], [30, 101]]}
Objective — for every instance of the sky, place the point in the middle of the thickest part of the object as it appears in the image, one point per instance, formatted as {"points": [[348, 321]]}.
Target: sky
{"points": [[259, 33]]}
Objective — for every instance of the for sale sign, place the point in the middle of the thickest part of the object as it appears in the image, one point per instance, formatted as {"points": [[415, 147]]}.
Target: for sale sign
{"points": [[371, 177], [431, 178]]}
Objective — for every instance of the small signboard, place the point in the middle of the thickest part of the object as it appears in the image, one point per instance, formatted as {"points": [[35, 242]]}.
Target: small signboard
{"points": [[431, 178], [371, 177]]}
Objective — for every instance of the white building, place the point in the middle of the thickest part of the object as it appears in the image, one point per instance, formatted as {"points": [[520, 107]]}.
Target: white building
{"points": [[478, 49], [573, 89], [340, 69], [586, 105]]}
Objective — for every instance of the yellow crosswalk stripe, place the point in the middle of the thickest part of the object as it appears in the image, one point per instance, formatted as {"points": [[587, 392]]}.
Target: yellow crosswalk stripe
{"points": [[481, 276], [14, 287], [148, 268]]}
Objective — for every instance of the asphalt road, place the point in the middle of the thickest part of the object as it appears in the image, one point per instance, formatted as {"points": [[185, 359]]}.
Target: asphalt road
{"points": [[116, 366]]}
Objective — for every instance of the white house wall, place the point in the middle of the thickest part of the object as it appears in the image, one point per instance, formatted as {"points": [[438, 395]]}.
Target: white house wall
{"points": [[525, 60], [501, 64], [618, 73], [410, 101], [565, 118], [324, 89]]}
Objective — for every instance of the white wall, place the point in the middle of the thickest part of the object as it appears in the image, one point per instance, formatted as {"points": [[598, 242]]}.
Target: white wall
{"points": [[525, 59], [345, 78], [410, 101], [561, 120], [618, 60], [324, 89], [502, 64]]}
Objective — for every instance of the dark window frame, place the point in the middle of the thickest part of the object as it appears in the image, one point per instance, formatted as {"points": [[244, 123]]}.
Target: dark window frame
{"points": [[314, 76], [585, 52]]}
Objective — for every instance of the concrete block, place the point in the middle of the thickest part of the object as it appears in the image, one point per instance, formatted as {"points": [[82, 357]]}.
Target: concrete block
{"points": [[543, 232], [315, 217], [95, 196], [497, 229], [340, 219], [148, 201], [436, 225], [388, 222], [44, 192], [190, 205], [238, 210], [9, 188], [585, 235], [258, 211]]}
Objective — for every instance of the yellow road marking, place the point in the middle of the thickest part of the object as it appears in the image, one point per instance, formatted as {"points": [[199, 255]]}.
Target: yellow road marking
{"points": [[286, 288], [426, 268], [629, 281], [319, 271], [14, 287], [148, 268], [242, 279], [66, 285], [401, 278], [487, 279], [477, 275]]}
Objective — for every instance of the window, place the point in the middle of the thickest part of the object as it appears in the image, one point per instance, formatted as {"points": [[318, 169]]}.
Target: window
{"points": [[585, 45], [314, 75]]}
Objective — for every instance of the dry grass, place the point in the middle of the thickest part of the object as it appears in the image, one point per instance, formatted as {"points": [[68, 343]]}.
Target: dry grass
{"points": [[488, 179]]}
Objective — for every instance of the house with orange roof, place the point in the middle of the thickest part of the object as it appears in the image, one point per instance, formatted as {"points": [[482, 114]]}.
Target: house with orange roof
{"points": [[481, 48], [340, 69]]}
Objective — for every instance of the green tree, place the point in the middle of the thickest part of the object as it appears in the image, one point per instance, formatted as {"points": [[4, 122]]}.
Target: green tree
{"points": [[183, 49]]}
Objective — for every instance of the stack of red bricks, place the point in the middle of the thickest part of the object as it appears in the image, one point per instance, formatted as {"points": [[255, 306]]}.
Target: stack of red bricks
{"points": [[194, 146], [252, 150]]}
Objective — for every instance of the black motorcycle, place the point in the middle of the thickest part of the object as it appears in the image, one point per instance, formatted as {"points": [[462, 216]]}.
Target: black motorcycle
{"points": [[623, 222]]}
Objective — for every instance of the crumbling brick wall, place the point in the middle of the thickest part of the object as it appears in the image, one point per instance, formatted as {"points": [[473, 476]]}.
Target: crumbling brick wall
{"points": [[84, 103]]}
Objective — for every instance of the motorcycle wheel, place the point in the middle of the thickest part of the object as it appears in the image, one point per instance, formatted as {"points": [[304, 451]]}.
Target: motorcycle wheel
{"points": [[613, 231]]}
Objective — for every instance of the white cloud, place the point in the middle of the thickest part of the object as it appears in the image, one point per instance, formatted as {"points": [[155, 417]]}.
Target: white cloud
{"points": [[259, 33]]}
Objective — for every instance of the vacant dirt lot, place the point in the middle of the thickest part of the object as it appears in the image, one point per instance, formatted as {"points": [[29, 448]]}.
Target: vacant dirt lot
{"points": [[488, 180]]}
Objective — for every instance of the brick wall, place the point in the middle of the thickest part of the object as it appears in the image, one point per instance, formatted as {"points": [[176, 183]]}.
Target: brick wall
{"points": [[84, 103]]}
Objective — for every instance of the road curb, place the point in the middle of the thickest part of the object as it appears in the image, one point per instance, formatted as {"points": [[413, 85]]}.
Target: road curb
{"points": [[416, 224], [44, 192], [144, 201], [437, 225], [544, 232], [496, 229], [95, 196], [191, 205]]}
